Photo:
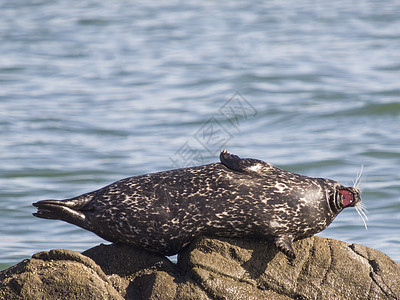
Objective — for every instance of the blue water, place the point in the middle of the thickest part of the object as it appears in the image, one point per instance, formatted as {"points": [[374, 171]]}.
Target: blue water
{"points": [[91, 92]]}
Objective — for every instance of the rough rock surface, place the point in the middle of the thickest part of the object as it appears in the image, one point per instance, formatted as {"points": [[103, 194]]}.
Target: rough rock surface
{"points": [[207, 269]]}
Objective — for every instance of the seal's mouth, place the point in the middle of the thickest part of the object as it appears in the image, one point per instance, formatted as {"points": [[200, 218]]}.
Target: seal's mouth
{"points": [[349, 197]]}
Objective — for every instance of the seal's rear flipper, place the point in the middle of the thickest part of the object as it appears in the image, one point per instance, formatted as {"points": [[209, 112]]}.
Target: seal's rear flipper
{"points": [[65, 210], [284, 244]]}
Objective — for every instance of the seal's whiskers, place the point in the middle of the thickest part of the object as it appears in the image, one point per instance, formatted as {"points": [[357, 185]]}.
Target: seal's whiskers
{"points": [[362, 212], [360, 208], [360, 178]]}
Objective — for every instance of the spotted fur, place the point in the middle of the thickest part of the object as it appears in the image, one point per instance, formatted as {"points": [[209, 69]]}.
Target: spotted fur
{"points": [[163, 212]]}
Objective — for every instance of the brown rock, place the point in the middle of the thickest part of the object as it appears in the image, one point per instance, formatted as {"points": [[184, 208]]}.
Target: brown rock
{"points": [[57, 274], [207, 269], [138, 274], [324, 269]]}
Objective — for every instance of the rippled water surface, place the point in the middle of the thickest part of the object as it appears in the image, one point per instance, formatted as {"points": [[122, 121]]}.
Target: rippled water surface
{"points": [[91, 92]]}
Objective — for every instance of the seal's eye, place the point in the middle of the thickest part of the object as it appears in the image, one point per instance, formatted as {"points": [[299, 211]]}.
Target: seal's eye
{"points": [[348, 197]]}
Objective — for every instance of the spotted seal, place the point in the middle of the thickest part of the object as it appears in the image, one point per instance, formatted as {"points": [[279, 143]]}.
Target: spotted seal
{"points": [[163, 212]]}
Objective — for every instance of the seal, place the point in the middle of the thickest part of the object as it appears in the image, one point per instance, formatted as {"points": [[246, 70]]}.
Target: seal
{"points": [[245, 198]]}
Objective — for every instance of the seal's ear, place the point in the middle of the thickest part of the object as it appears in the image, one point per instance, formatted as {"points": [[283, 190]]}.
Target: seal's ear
{"points": [[236, 163]]}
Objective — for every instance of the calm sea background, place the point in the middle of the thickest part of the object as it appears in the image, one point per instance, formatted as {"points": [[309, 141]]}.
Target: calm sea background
{"points": [[95, 91]]}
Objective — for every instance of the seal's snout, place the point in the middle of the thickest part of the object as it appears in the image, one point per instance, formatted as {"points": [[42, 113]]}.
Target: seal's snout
{"points": [[349, 197]]}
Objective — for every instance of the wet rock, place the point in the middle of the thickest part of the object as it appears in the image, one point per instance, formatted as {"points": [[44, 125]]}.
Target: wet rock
{"points": [[208, 269]]}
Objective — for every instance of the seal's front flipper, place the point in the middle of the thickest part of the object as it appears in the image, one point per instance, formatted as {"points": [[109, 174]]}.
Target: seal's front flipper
{"points": [[230, 160], [236, 163], [284, 244]]}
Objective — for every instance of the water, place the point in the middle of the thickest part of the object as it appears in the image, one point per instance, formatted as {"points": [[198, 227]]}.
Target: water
{"points": [[92, 92]]}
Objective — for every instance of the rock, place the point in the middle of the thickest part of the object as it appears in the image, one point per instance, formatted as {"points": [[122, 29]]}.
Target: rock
{"points": [[57, 274], [323, 269], [138, 274], [208, 269]]}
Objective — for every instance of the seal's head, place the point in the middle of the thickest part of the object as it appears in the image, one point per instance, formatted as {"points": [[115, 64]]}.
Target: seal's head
{"points": [[342, 197], [348, 197]]}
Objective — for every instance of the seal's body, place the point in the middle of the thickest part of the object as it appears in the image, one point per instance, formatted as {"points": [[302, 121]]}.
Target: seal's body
{"points": [[163, 212]]}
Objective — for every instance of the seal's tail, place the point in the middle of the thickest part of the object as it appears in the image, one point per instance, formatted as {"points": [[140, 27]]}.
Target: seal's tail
{"points": [[71, 210]]}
